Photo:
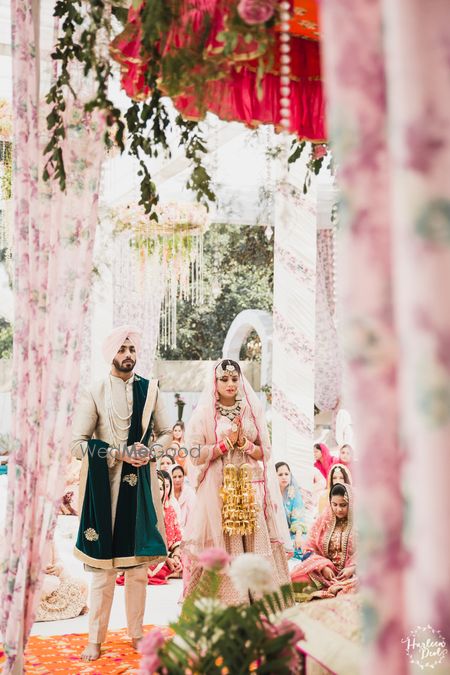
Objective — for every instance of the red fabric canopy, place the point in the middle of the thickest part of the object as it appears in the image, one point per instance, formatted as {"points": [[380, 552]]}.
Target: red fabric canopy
{"points": [[234, 96], [305, 22]]}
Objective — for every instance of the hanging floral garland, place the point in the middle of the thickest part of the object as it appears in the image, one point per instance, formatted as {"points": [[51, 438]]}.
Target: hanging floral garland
{"points": [[203, 54], [175, 240]]}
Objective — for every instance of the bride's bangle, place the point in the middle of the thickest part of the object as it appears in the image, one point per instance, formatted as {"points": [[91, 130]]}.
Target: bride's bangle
{"points": [[244, 445], [222, 447]]}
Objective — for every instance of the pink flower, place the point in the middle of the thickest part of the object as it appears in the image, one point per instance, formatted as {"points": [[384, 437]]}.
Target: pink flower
{"points": [[151, 642], [149, 664], [286, 626], [319, 151], [256, 11], [214, 559]]}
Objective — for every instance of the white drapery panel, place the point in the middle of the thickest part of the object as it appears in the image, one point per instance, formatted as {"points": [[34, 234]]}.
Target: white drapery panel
{"points": [[387, 71], [294, 331]]}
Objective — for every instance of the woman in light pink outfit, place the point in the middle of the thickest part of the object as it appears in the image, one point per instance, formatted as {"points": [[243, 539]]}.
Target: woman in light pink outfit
{"points": [[62, 597], [183, 493], [339, 473], [228, 427]]}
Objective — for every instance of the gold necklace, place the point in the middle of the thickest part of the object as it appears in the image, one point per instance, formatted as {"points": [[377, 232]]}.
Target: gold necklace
{"points": [[229, 411]]}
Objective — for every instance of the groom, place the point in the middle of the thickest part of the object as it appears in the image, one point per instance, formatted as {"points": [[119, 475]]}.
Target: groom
{"points": [[121, 522]]}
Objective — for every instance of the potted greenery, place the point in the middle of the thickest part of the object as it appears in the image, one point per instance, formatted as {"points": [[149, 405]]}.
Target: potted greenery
{"points": [[180, 403]]}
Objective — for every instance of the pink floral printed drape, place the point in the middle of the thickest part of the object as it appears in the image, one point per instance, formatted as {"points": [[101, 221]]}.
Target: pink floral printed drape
{"points": [[54, 235], [387, 70]]}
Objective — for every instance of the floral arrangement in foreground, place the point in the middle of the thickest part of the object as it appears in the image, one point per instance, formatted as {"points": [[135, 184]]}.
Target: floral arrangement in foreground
{"points": [[210, 637]]}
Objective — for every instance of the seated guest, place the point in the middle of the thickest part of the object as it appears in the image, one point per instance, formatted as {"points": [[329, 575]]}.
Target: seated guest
{"points": [[323, 459], [183, 493], [169, 495], [69, 504], [166, 462], [293, 506], [345, 455], [338, 474], [4, 453], [331, 568], [178, 443], [61, 597], [319, 484], [171, 567]]}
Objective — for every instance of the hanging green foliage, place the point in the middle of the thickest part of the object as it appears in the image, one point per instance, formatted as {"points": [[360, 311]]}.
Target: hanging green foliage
{"points": [[318, 153], [92, 32]]}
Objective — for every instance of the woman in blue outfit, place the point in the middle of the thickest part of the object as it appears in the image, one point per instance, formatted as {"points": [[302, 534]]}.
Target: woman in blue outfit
{"points": [[293, 506]]}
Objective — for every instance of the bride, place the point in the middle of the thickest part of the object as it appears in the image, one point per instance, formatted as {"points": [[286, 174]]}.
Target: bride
{"points": [[238, 506]]}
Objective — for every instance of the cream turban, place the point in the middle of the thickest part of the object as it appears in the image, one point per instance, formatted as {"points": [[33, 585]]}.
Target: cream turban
{"points": [[115, 340]]}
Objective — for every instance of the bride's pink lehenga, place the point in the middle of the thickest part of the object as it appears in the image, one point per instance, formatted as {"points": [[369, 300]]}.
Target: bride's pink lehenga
{"points": [[332, 544], [271, 537]]}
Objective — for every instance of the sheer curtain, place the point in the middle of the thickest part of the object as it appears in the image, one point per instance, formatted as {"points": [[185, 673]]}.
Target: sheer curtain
{"points": [[387, 72], [53, 242]]}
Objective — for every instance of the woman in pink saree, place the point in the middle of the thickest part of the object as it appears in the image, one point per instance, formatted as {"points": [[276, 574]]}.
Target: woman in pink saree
{"points": [[331, 567], [230, 456], [323, 459]]}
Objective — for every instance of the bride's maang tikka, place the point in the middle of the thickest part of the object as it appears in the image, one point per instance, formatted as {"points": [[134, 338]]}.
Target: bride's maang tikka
{"points": [[230, 369]]}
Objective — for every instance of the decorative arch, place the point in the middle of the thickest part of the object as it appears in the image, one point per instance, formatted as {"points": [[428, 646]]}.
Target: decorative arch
{"points": [[246, 321]]}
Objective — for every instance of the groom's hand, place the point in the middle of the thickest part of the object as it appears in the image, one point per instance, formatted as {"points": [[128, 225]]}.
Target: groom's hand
{"points": [[137, 455]]}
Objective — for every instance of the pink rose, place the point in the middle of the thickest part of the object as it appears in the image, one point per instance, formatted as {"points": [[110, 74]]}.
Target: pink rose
{"points": [[256, 11], [151, 642], [214, 559], [319, 151]]}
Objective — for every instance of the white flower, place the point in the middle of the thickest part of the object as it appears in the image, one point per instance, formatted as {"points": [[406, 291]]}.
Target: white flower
{"points": [[251, 572], [217, 635], [180, 642], [209, 605]]}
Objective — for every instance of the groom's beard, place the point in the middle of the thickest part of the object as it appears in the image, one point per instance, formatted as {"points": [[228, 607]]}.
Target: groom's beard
{"points": [[125, 367]]}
